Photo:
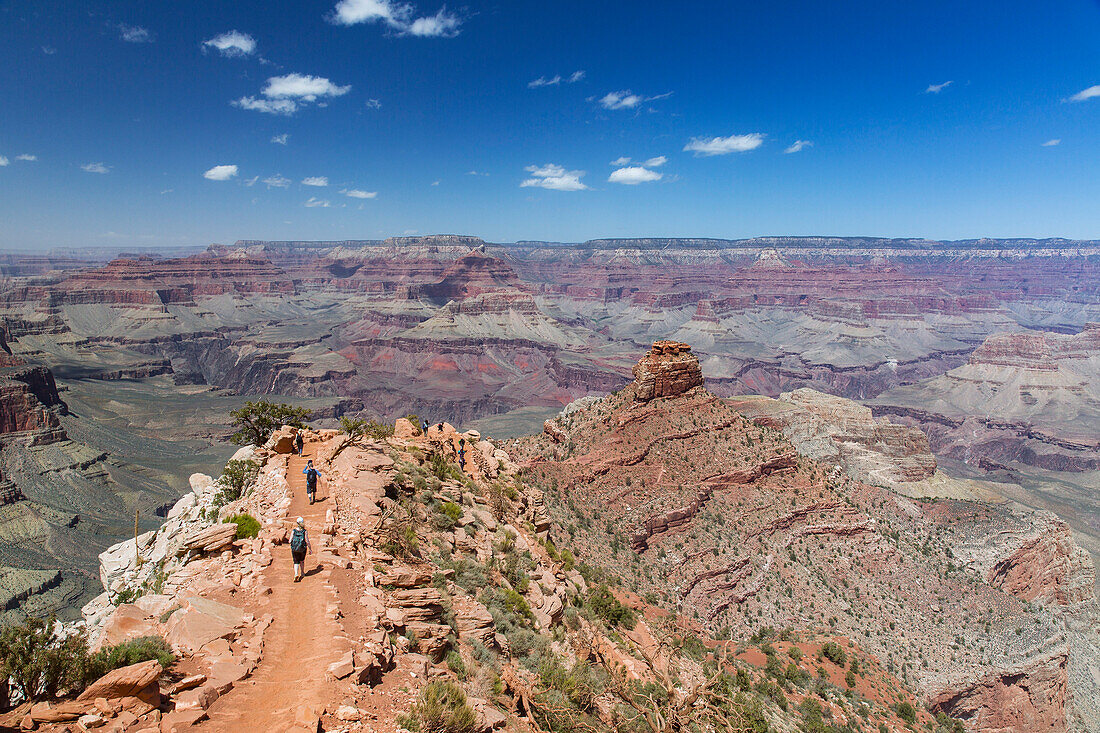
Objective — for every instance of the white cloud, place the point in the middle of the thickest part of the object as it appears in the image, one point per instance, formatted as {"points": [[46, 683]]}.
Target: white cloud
{"points": [[626, 99], [542, 81], [440, 25], [166, 191], [27, 157], [251, 181], [374, 104], [706, 146], [280, 139], [221, 173], [435, 183], [397, 15], [798, 145], [619, 162], [135, 34], [1052, 142], [634, 175], [355, 193], [1084, 94], [285, 95], [315, 202], [4, 161], [576, 76], [49, 50], [302, 87], [319, 181], [277, 181], [656, 162], [232, 44], [621, 100], [95, 168], [937, 88], [554, 177]]}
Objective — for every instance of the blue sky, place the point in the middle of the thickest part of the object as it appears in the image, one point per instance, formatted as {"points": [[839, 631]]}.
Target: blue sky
{"points": [[936, 119]]}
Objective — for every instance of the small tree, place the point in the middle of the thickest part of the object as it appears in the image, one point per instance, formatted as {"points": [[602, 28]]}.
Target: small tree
{"points": [[40, 665], [236, 477], [257, 420]]}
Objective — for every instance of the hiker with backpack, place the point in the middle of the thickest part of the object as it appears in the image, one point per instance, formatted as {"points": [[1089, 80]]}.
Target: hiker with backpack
{"points": [[299, 547], [299, 444], [312, 474]]}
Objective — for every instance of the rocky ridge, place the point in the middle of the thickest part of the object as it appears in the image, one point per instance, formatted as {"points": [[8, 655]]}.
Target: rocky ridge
{"points": [[855, 555]]}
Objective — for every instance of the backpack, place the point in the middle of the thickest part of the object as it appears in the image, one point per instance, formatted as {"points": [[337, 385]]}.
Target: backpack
{"points": [[298, 540], [311, 479]]}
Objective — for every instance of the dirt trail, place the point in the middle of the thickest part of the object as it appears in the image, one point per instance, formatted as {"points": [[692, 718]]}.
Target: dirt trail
{"points": [[290, 682]]}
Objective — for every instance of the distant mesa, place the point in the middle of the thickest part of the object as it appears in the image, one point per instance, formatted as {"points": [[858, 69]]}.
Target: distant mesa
{"points": [[471, 275], [668, 370]]}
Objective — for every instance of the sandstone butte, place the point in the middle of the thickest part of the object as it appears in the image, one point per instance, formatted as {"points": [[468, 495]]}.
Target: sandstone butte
{"points": [[733, 524]]}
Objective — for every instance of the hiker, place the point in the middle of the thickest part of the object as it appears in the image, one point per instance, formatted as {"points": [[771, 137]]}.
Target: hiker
{"points": [[312, 475], [299, 443], [299, 547], [462, 453], [424, 427]]}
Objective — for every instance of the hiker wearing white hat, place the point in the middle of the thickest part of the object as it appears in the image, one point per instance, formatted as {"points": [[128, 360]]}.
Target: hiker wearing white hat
{"points": [[299, 547]]}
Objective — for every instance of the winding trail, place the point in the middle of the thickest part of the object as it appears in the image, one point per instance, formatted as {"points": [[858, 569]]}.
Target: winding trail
{"points": [[289, 687]]}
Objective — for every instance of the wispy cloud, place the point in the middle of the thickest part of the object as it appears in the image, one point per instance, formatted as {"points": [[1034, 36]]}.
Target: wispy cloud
{"points": [[937, 88], [251, 181], [626, 99], [798, 145], [656, 162], [285, 95], [553, 177], [576, 76], [49, 50], [277, 181], [280, 139], [319, 181], [542, 81], [315, 202], [355, 193], [221, 173], [27, 157], [232, 44], [619, 162], [135, 34], [1052, 142], [4, 161], [374, 104], [633, 175], [1084, 94], [95, 168], [707, 146], [399, 16]]}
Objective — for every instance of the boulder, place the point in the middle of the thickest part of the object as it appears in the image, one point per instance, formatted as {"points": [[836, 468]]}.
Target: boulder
{"points": [[473, 620], [282, 440], [128, 621], [138, 680], [189, 630], [212, 538], [403, 577], [404, 429]]}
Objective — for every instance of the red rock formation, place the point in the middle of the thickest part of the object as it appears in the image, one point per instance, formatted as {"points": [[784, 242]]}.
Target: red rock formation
{"points": [[1047, 567], [1022, 700], [472, 275], [668, 370]]}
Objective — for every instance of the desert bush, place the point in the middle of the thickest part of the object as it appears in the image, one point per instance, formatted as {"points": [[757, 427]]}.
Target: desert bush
{"points": [[440, 708], [834, 653], [247, 525], [236, 477], [608, 607], [907, 712], [130, 652], [356, 428], [258, 419], [37, 664], [444, 469], [456, 665]]}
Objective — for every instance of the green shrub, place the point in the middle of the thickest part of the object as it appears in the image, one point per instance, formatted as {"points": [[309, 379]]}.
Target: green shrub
{"points": [[907, 712], [356, 427], [608, 607], [247, 525], [517, 605], [834, 653], [440, 708], [456, 665], [452, 510], [444, 469], [130, 652], [236, 477], [37, 664]]}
